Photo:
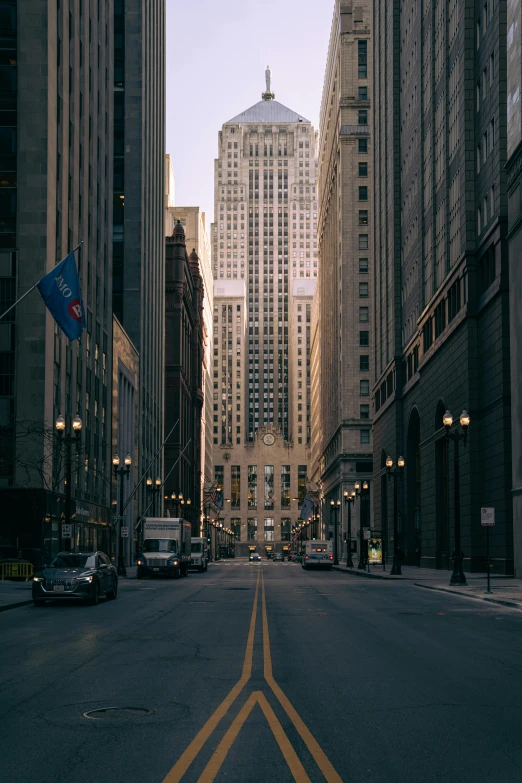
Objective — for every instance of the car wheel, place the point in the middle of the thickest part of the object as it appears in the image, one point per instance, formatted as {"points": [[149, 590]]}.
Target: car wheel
{"points": [[201, 569], [95, 595], [139, 574], [38, 602], [177, 573], [113, 594]]}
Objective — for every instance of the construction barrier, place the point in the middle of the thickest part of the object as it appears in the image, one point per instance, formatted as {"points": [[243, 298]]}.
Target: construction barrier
{"points": [[20, 569]]}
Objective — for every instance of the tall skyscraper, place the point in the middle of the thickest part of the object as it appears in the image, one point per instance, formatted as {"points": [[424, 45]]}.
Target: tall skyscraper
{"points": [[263, 242], [56, 139], [139, 208], [441, 310], [342, 447]]}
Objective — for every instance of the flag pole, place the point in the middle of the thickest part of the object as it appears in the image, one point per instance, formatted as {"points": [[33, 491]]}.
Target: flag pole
{"points": [[34, 286]]}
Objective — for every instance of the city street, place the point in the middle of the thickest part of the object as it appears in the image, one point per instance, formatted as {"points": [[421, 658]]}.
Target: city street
{"points": [[257, 671]]}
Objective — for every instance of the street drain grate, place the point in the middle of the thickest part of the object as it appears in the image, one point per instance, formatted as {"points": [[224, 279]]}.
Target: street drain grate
{"points": [[117, 713]]}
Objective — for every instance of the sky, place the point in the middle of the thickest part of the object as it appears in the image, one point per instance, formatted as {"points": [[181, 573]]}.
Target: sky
{"points": [[217, 53]]}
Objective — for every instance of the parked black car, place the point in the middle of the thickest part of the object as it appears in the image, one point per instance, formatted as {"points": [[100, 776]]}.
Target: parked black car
{"points": [[83, 575]]}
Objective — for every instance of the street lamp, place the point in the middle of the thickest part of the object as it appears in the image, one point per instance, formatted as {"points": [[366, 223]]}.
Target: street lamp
{"points": [[395, 472], [457, 577], [349, 500], [364, 497], [155, 488], [68, 440], [121, 472], [335, 507]]}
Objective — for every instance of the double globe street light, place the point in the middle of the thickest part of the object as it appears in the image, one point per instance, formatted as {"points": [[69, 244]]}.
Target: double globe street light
{"points": [[349, 500], [67, 440], [120, 472], [154, 487], [396, 472], [457, 577], [335, 507]]}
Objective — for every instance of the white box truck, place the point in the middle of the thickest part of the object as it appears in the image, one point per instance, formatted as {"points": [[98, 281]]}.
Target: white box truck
{"points": [[318, 554], [166, 547], [199, 554]]}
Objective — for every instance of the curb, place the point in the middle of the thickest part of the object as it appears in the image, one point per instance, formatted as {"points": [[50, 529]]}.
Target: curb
{"points": [[368, 575], [512, 604], [15, 606]]}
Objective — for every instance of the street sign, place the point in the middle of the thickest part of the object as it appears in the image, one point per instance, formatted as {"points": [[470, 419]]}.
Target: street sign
{"points": [[367, 534], [66, 531], [487, 517], [117, 519], [125, 532]]}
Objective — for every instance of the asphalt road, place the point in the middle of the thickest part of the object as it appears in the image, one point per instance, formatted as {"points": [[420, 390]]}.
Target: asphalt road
{"points": [[262, 671]]}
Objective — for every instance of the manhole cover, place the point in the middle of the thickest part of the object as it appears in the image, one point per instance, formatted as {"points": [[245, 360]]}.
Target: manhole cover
{"points": [[117, 713]]}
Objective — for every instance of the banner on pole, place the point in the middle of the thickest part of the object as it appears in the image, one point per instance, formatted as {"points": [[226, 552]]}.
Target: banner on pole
{"points": [[60, 290]]}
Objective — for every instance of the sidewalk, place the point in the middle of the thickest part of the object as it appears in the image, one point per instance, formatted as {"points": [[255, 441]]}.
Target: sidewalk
{"points": [[13, 594], [504, 589]]}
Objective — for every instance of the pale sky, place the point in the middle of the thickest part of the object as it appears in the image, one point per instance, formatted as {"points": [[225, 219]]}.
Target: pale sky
{"points": [[217, 53]]}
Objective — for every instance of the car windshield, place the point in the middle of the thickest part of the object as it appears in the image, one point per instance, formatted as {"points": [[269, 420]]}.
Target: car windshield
{"points": [[159, 545], [74, 561], [196, 547]]}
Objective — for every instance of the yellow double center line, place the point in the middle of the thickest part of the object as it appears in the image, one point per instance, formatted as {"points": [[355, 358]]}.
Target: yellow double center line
{"points": [[256, 697]]}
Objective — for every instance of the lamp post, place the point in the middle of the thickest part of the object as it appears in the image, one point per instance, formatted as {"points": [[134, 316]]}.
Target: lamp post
{"points": [[155, 488], [335, 507], [121, 472], [457, 577], [395, 472], [349, 499], [76, 425]]}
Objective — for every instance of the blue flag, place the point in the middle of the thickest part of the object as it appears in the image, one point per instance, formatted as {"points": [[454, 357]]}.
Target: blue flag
{"points": [[307, 509], [60, 290]]}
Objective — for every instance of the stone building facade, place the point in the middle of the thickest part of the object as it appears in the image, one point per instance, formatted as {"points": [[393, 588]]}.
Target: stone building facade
{"points": [[341, 433], [263, 243], [184, 352], [194, 224], [440, 291], [56, 122], [514, 185]]}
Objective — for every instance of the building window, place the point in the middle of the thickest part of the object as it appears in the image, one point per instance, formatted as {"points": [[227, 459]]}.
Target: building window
{"points": [[364, 388], [269, 487], [286, 523], [363, 241], [362, 145], [362, 53], [252, 486], [364, 338], [364, 411], [363, 217], [363, 93], [363, 265], [362, 116], [363, 289], [363, 193], [364, 437], [219, 478], [301, 484], [440, 318], [364, 314], [363, 169], [269, 528], [235, 496], [285, 486], [252, 528], [364, 362]]}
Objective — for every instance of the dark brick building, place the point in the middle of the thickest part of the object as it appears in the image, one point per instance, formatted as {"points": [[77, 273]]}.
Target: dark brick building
{"points": [[441, 299], [514, 185], [183, 378]]}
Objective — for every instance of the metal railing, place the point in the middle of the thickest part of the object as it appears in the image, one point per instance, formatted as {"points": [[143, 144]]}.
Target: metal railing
{"points": [[19, 570]]}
